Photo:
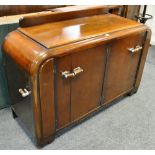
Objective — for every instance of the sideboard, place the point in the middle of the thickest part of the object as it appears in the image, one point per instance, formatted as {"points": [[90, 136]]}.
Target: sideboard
{"points": [[67, 66]]}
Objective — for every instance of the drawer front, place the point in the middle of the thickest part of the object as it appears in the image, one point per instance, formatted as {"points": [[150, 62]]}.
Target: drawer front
{"points": [[123, 60], [79, 84]]}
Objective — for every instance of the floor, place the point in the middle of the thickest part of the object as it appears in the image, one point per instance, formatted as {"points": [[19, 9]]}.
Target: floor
{"points": [[130, 124]]}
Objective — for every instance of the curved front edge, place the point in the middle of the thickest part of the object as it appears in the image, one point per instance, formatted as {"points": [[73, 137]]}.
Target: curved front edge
{"points": [[142, 60], [44, 107], [23, 50]]}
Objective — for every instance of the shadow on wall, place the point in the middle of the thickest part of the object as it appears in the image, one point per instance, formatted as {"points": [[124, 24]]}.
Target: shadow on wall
{"points": [[4, 97]]}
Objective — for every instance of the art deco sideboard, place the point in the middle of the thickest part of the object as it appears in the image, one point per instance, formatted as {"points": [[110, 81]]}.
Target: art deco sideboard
{"points": [[65, 67]]}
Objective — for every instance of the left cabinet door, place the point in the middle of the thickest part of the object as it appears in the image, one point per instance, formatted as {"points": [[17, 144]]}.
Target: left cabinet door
{"points": [[80, 92]]}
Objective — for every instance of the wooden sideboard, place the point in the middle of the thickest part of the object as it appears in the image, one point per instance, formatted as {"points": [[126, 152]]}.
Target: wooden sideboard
{"points": [[63, 68]]}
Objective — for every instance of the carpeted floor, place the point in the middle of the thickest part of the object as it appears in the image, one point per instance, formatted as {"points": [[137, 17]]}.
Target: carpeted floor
{"points": [[129, 124]]}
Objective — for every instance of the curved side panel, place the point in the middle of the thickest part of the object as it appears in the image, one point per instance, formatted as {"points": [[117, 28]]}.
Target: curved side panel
{"points": [[143, 58], [22, 49]]}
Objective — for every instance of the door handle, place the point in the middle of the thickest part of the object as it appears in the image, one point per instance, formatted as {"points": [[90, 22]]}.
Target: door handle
{"points": [[133, 50], [24, 92], [76, 71], [67, 74]]}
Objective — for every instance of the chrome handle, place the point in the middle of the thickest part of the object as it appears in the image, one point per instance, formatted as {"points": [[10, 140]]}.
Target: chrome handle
{"points": [[67, 74], [133, 50], [75, 72], [24, 92]]}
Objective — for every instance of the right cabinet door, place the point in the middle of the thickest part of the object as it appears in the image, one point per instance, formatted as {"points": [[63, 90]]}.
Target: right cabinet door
{"points": [[123, 60]]}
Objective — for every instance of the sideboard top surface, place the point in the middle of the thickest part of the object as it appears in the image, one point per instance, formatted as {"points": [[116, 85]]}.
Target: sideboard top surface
{"points": [[57, 39], [63, 32]]}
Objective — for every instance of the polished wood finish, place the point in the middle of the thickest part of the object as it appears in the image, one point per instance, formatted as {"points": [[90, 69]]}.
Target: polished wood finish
{"points": [[84, 99], [29, 58], [99, 44], [70, 95], [142, 60], [26, 58], [63, 91], [46, 79], [68, 31], [122, 66]]}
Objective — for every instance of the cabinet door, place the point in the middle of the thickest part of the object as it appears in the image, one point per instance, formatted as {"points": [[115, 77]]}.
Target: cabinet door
{"points": [[86, 88], [76, 96], [122, 66]]}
